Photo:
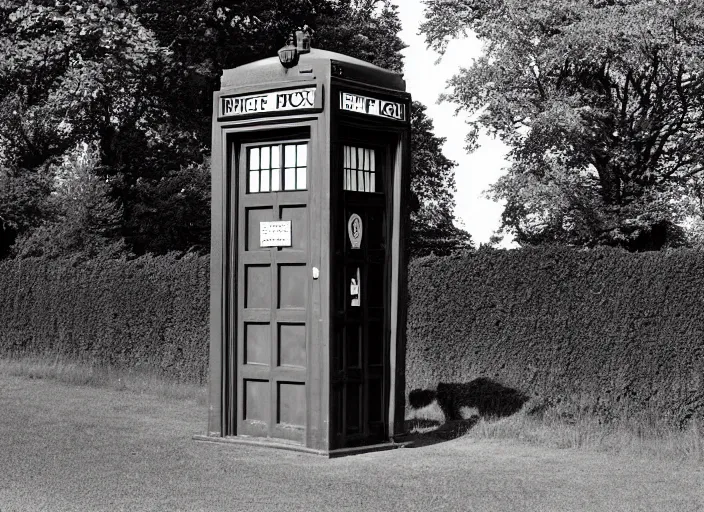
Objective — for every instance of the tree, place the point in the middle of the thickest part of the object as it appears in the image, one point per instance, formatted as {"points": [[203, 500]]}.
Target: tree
{"points": [[83, 220], [601, 103], [174, 212], [71, 73], [22, 204], [134, 81], [432, 186], [206, 41]]}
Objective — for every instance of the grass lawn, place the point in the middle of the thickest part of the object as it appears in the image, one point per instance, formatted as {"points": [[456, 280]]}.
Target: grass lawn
{"points": [[75, 447]]}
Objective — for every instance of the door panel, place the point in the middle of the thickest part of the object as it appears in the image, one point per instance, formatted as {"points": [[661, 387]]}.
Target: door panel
{"points": [[359, 363], [272, 298], [292, 345], [257, 349]]}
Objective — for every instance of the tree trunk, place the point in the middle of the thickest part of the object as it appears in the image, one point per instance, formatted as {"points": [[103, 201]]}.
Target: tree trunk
{"points": [[610, 184]]}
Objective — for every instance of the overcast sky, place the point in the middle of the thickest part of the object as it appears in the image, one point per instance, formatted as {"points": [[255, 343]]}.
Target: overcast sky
{"points": [[426, 80]]}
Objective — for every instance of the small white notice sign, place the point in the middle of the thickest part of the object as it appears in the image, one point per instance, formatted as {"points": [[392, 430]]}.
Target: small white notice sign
{"points": [[275, 234]]}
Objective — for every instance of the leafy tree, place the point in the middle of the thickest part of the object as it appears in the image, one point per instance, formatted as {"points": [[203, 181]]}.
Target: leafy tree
{"points": [[134, 81], [601, 104], [22, 204], [174, 212], [432, 186], [83, 221], [73, 72]]}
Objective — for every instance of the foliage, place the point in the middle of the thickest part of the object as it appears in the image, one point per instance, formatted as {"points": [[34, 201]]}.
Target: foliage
{"points": [[135, 81], [174, 211], [432, 187], [601, 103], [22, 205], [621, 331], [77, 72], [365, 29], [147, 313], [84, 220], [613, 332]]}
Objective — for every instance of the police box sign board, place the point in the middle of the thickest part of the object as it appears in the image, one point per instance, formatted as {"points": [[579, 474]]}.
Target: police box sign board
{"points": [[276, 101], [372, 106]]}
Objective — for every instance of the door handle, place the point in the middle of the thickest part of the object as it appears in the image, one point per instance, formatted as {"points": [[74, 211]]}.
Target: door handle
{"points": [[356, 290]]}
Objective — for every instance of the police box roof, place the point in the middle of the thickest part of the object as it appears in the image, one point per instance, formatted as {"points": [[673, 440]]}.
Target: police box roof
{"points": [[315, 64]]}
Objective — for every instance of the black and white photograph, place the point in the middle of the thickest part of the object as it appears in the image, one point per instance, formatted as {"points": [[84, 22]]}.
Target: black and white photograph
{"points": [[352, 255]]}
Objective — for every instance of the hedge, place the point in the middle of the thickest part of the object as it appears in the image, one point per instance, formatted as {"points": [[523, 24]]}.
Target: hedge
{"points": [[607, 328], [151, 312], [610, 329]]}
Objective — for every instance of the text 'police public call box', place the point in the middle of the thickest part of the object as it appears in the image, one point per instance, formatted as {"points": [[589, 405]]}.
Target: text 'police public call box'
{"points": [[310, 172]]}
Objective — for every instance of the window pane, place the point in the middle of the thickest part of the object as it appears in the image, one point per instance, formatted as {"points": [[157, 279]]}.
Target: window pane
{"points": [[254, 181], [359, 165], [290, 178], [254, 159], [265, 180], [275, 179], [275, 157], [301, 155], [290, 156], [372, 168], [301, 178], [266, 152]]}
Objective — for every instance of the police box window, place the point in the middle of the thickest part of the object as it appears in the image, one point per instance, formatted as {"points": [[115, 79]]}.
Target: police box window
{"points": [[277, 167], [360, 169]]}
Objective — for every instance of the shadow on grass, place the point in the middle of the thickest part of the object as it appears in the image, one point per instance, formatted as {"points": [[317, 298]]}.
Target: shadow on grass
{"points": [[453, 409], [428, 432]]}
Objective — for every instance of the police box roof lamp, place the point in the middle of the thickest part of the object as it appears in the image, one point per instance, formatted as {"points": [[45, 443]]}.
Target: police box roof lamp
{"points": [[288, 55]]}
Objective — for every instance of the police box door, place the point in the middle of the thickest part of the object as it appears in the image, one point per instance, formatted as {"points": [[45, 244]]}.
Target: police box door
{"points": [[360, 347], [272, 289]]}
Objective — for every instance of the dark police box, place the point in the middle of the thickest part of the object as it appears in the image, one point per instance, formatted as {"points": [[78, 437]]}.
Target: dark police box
{"points": [[310, 173]]}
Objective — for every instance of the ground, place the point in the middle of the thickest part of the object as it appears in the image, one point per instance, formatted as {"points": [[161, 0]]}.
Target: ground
{"points": [[65, 447]]}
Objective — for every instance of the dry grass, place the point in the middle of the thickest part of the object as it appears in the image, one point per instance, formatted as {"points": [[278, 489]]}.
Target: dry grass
{"points": [[87, 374], [643, 434], [76, 448], [646, 434], [555, 426]]}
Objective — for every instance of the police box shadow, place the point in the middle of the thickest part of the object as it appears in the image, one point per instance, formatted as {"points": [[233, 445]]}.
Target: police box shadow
{"points": [[460, 408]]}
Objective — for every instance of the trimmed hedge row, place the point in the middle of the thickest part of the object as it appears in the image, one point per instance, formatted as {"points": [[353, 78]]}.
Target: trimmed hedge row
{"points": [[150, 313], [605, 328], [608, 329]]}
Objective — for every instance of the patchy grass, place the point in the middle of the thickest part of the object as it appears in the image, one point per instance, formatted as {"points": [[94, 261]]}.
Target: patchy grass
{"points": [[81, 373], [561, 426], [550, 425], [76, 448], [643, 434]]}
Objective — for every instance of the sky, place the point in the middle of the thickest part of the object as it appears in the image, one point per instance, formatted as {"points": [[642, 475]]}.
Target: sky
{"points": [[426, 80]]}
